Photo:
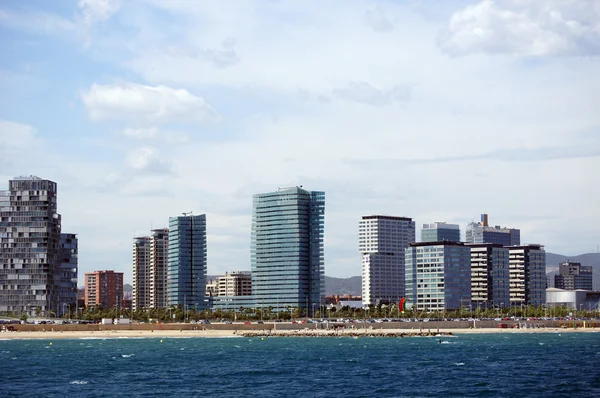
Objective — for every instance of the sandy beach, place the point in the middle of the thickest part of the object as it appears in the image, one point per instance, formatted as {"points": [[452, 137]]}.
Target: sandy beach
{"points": [[52, 335]]}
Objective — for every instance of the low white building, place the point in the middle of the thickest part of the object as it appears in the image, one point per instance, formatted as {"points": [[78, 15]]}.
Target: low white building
{"points": [[573, 299]]}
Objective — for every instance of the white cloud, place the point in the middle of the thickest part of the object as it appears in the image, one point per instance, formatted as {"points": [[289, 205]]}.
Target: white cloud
{"points": [[141, 133], [15, 135], [525, 27], [365, 93], [147, 160], [221, 58], [94, 11], [378, 21], [16, 139], [142, 103], [154, 134], [280, 47]]}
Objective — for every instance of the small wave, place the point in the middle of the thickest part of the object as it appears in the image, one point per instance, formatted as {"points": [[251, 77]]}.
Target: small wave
{"points": [[127, 355], [237, 346], [182, 349], [446, 342], [541, 343], [13, 358], [79, 382], [459, 363]]}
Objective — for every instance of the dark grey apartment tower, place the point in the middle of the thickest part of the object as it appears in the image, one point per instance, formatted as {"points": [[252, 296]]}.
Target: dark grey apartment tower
{"points": [[30, 247], [68, 273], [573, 276]]}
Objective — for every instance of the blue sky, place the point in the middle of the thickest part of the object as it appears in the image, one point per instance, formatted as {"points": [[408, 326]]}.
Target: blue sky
{"points": [[439, 111]]}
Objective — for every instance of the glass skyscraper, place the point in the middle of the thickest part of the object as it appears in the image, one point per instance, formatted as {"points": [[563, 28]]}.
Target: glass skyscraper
{"points": [[186, 275], [440, 231], [287, 249]]}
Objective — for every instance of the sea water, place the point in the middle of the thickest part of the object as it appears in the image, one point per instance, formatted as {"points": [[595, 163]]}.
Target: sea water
{"points": [[485, 365]]}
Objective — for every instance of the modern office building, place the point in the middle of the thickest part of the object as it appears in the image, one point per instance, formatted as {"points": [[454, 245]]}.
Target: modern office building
{"points": [[527, 275], [490, 276], [30, 247], [104, 288], [481, 232], [382, 243], [186, 273], [159, 265], [439, 232], [68, 273], [236, 283], [573, 276], [438, 276], [287, 249], [141, 273]]}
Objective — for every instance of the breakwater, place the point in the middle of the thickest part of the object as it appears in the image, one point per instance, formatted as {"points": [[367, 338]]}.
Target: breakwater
{"points": [[339, 333]]}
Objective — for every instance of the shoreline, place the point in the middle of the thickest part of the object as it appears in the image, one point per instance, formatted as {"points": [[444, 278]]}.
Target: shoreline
{"points": [[307, 333]]}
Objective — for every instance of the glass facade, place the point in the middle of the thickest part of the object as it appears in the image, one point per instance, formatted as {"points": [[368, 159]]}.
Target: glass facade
{"points": [[438, 276], [477, 233], [440, 231], [287, 249], [186, 275]]}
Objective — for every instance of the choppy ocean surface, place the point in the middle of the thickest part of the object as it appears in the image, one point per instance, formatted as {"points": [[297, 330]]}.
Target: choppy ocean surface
{"points": [[494, 365]]}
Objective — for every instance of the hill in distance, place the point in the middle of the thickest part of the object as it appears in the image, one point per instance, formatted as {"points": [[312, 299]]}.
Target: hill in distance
{"points": [[353, 284]]}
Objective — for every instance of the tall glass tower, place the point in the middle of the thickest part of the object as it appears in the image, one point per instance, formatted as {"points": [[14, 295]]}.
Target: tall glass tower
{"points": [[287, 249], [186, 275]]}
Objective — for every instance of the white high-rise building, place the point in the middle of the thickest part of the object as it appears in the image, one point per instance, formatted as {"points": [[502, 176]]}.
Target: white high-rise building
{"points": [[236, 283], [382, 242]]}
